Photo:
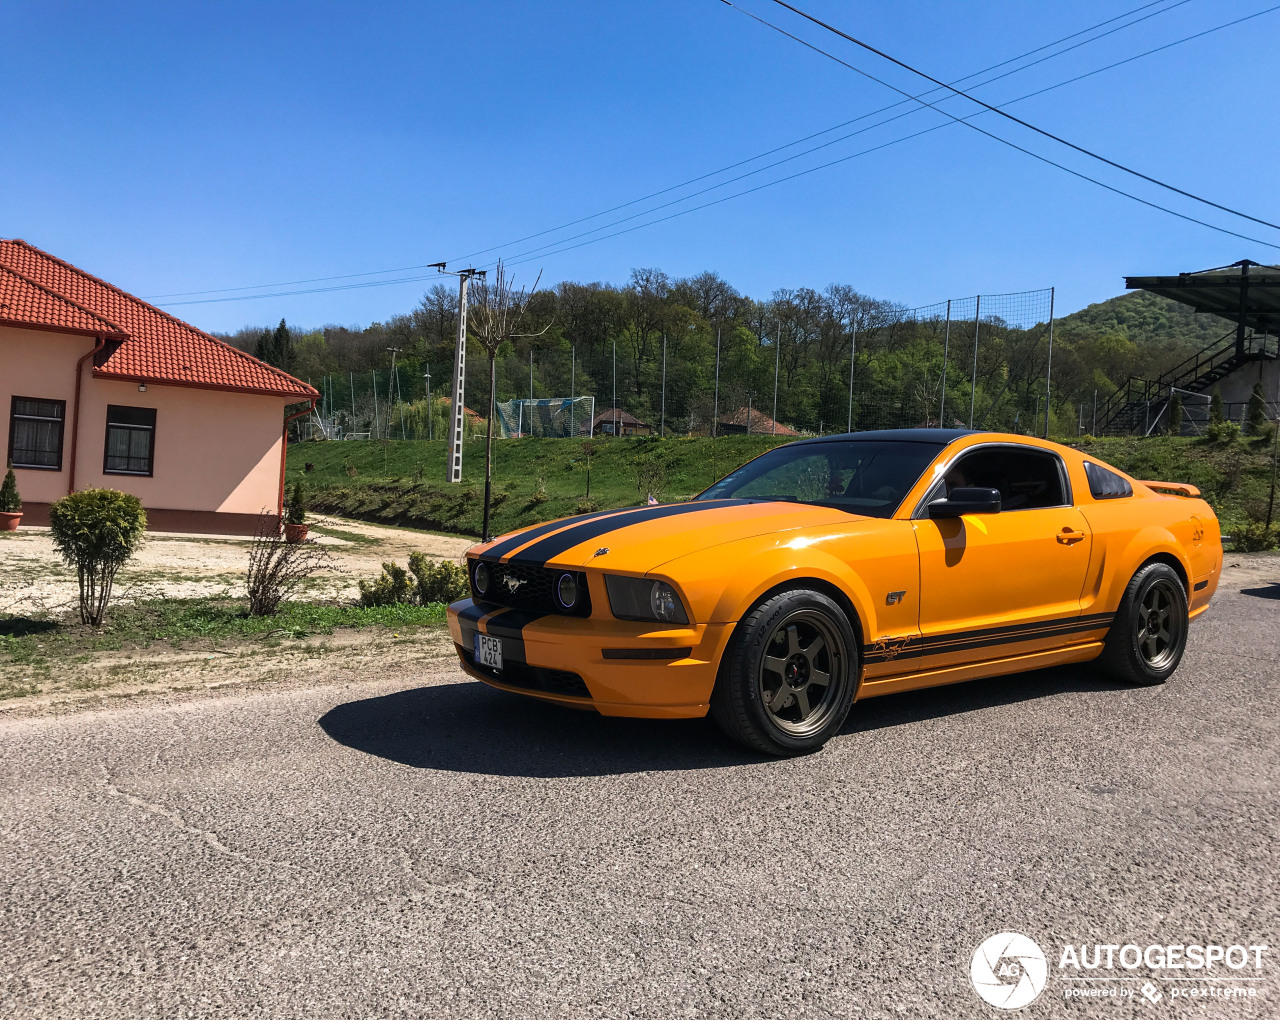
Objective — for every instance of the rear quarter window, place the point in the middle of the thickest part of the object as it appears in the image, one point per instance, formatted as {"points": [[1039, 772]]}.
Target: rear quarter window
{"points": [[1106, 484]]}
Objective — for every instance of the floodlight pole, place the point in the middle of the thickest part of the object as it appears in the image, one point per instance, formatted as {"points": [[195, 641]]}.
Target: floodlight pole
{"points": [[459, 370], [973, 385], [715, 404], [946, 343], [1048, 370], [777, 360], [662, 422], [853, 356]]}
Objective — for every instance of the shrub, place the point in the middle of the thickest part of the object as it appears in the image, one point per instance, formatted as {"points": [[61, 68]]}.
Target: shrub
{"points": [[586, 506], [539, 491], [1215, 407], [277, 568], [295, 508], [1222, 432], [1257, 413], [1176, 414], [391, 588], [10, 501], [96, 531], [1256, 537], [438, 581]]}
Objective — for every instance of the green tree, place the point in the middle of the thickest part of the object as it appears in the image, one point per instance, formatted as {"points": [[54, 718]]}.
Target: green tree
{"points": [[1176, 414], [10, 501], [1215, 407], [1257, 414]]}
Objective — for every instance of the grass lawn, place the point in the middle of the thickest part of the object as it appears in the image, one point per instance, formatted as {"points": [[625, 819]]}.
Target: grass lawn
{"points": [[541, 479], [39, 643]]}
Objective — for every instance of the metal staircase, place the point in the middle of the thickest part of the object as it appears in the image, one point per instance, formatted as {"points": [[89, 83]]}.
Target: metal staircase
{"points": [[1136, 406]]}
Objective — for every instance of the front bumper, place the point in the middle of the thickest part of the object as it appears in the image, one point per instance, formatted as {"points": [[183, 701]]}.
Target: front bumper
{"points": [[563, 659]]}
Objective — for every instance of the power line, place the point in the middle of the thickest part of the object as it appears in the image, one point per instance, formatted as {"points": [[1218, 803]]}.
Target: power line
{"points": [[721, 170], [993, 109]]}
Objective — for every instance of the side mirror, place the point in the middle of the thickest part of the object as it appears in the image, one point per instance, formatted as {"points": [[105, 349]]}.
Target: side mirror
{"points": [[966, 501]]}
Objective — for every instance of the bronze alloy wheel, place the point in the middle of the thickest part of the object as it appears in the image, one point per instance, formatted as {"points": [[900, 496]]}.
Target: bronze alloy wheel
{"points": [[795, 673], [1159, 626]]}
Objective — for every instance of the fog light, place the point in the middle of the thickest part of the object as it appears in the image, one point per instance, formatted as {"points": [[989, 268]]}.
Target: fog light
{"points": [[567, 591], [483, 578]]}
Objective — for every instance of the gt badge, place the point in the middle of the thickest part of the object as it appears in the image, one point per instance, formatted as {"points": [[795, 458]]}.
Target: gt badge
{"points": [[893, 598]]}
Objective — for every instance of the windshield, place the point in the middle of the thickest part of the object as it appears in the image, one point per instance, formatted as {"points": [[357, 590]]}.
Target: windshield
{"points": [[868, 477]]}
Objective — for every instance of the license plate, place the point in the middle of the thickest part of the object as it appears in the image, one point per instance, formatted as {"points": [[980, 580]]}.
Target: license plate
{"points": [[488, 651]]}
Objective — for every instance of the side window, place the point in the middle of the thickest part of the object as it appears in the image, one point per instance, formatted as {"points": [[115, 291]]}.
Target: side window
{"points": [[35, 433], [130, 440], [1027, 479], [1105, 484]]}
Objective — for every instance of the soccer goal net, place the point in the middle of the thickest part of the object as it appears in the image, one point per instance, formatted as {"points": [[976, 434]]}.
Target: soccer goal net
{"points": [[558, 417]]}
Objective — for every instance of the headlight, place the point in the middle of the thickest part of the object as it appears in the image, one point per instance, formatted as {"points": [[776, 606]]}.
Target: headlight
{"points": [[567, 591], [641, 598], [483, 577]]}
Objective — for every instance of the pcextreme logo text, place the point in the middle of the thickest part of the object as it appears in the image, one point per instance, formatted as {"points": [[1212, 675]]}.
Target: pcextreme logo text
{"points": [[1010, 971]]}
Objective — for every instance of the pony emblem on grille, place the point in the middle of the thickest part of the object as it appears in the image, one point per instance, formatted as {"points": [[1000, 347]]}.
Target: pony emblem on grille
{"points": [[513, 583]]}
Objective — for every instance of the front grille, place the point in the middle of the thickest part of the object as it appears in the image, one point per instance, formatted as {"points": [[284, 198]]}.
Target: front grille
{"points": [[525, 587], [531, 678]]}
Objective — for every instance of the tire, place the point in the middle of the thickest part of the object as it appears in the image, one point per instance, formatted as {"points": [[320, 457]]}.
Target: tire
{"points": [[770, 693], [1149, 635]]}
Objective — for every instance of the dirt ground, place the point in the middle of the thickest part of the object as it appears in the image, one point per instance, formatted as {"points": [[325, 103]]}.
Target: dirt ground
{"points": [[33, 581], [33, 578]]}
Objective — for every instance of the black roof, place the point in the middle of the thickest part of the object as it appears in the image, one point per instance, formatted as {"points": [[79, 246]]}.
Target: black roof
{"points": [[940, 436], [1243, 292]]}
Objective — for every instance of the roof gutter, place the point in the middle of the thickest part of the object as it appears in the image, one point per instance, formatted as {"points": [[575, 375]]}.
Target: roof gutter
{"points": [[284, 447], [99, 342]]}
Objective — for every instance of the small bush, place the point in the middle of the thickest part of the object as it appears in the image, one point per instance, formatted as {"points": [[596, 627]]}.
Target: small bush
{"points": [[1222, 432], [277, 568], [96, 531], [539, 492], [1256, 537], [1257, 413], [391, 588], [295, 508], [10, 501], [586, 506], [1215, 407], [438, 581]]}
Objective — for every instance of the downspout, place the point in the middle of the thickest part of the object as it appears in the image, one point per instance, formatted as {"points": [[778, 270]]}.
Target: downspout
{"points": [[99, 343], [284, 449]]}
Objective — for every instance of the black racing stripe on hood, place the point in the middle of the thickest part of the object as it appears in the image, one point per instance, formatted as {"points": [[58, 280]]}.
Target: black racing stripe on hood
{"points": [[548, 548], [513, 543]]}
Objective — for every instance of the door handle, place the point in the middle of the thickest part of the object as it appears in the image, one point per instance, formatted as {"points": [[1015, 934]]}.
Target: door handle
{"points": [[1068, 536]]}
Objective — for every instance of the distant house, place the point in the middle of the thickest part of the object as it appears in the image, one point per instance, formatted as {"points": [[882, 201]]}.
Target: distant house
{"points": [[618, 423], [100, 389], [755, 422]]}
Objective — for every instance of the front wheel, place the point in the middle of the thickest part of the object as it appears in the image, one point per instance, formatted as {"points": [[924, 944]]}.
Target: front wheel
{"points": [[1146, 642], [789, 676]]}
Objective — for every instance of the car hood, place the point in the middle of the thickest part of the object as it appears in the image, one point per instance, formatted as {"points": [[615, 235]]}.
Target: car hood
{"points": [[638, 539]]}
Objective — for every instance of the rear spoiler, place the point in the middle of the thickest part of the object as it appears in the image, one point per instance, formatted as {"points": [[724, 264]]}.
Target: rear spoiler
{"points": [[1176, 488]]}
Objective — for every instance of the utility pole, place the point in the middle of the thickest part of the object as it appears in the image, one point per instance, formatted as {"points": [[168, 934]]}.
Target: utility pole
{"points": [[662, 426], [715, 406], [393, 385], [973, 385], [1048, 371], [777, 360], [946, 343], [853, 356], [459, 370], [616, 419]]}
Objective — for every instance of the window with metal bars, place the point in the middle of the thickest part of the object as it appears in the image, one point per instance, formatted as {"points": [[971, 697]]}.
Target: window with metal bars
{"points": [[35, 433], [130, 440]]}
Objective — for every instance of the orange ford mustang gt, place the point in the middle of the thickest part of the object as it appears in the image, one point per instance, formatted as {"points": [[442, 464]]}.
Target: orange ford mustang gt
{"points": [[835, 569]]}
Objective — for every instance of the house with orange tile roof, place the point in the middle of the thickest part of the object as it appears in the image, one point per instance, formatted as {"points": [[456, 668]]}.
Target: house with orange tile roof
{"points": [[100, 389]]}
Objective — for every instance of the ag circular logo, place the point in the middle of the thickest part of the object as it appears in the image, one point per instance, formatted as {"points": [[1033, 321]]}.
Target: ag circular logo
{"points": [[1008, 970]]}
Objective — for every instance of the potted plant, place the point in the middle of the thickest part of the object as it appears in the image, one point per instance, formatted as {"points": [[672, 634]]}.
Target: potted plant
{"points": [[10, 502], [295, 515]]}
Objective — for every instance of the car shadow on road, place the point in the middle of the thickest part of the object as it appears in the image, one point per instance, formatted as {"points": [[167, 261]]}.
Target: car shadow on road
{"points": [[468, 727], [1271, 591]]}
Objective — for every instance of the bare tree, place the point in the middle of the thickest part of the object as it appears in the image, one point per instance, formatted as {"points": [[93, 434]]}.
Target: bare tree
{"points": [[496, 313]]}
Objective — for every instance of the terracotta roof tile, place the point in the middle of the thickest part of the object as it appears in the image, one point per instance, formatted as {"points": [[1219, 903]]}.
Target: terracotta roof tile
{"points": [[159, 347], [24, 302], [760, 423]]}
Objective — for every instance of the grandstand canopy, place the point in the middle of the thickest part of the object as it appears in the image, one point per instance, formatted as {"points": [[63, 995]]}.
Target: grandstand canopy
{"points": [[1245, 293]]}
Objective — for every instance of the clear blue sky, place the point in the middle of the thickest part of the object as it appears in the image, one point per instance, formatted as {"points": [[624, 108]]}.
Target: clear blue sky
{"points": [[181, 147]]}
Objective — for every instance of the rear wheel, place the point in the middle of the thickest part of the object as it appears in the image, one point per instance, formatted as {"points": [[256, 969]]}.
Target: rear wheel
{"points": [[789, 676], [1146, 642]]}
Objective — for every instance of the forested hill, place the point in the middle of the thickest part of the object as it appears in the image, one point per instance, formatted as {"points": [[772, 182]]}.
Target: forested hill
{"points": [[1147, 318]]}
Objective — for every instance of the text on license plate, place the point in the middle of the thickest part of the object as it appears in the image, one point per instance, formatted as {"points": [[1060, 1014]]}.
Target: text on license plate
{"points": [[488, 651]]}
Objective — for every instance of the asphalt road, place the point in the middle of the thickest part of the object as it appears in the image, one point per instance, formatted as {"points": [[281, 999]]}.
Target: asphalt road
{"points": [[426, 847]]}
